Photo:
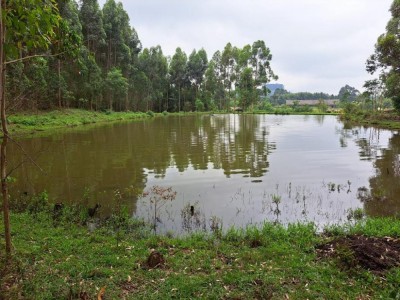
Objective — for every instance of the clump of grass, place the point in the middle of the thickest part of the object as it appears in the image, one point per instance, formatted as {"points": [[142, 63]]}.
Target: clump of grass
{"points": [[355, 214]]}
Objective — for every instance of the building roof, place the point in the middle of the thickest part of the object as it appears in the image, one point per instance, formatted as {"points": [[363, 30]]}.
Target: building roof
{"points": [[330, 102]]}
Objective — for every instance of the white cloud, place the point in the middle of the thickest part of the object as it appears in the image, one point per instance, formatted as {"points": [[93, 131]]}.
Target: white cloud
{"points": [[317, 45]]}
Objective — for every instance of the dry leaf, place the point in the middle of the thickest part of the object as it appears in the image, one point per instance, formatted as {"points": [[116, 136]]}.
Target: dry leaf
{"points": [[101, 293]]}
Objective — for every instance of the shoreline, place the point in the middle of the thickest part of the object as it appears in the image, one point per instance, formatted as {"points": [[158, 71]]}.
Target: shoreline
{"points": [[67, 259], [32, 123]]}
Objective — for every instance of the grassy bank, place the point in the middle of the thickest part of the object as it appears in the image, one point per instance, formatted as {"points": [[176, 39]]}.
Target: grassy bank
{"points": [[384, 119], [31, 122], [65, 260]]}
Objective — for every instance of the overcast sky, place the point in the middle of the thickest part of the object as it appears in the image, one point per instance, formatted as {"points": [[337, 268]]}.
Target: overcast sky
{"points": [[317, 45]]}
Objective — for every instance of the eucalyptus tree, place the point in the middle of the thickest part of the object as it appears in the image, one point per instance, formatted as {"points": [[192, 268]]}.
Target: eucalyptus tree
{"points": [[141, 92], [375, 90], [90, 81], [243, 61], [243, 57], [348, 93], [153, 64], [386, 58], [247, 88], [116, 88], [260, 60], [196, 67], [118, 34], [214, 75], [92, 25], [21, 34], [177, 71], [135, 46], [228, 63], [70, 38], [210, 85]]}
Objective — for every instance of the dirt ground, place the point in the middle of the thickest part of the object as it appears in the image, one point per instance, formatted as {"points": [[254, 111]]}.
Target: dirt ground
{"points": [[370, 253]]}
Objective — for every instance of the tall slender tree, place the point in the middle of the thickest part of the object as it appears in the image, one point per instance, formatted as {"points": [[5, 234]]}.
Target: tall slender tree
{"points": [[92, 25], [26, 25], [177, 71]]}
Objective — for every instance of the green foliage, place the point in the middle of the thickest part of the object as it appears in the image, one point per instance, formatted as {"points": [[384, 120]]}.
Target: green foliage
{"points": [[116, 86], [322, 106], [199, 105], [177, 71], [39, 203], [386, 58], [247, 91], [265, 105], [24, 32], [102, 65], [348, 93], [92, 25], [350, 108]]}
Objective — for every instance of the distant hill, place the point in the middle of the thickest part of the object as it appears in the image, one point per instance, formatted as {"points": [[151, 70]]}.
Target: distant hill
{"points": [[273, 87]]}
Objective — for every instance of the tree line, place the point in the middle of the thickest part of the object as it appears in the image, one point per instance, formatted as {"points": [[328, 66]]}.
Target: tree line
{"points": [[99, 64]]}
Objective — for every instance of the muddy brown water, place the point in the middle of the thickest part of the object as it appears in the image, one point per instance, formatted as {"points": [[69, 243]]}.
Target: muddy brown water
{"points": [[226, 169]]}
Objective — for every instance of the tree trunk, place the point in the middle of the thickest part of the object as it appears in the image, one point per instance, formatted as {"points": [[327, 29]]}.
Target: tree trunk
{"points": [[109, 56], [3, 150], [179, 98], [59, 82]]}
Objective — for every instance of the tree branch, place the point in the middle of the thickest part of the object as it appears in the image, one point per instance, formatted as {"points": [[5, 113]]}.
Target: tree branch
{"points": [[26, 154], [32, 56]]}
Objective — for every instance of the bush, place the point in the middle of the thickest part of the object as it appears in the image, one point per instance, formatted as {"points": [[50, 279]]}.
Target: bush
{"points": [[265, 106], [150, 113], [199, 105], [39, 203]]}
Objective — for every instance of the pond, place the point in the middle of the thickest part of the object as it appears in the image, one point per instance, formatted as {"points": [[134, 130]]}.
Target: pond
{"points": [[233, 170]]}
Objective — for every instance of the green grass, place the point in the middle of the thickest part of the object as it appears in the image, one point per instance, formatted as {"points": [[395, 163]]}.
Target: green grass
{"points": [[30, 122], [389, 120], [270, 262], [37, 122]]}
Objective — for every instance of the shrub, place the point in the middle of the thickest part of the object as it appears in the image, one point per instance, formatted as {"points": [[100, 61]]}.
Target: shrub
{"points": [[39, 203], [199, 105]]}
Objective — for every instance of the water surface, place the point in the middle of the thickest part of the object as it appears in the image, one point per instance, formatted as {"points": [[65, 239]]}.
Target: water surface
{"points": [[232, 169]]}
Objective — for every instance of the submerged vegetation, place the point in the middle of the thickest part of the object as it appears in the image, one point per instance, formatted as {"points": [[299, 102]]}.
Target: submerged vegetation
{"points": [[60, 255]]}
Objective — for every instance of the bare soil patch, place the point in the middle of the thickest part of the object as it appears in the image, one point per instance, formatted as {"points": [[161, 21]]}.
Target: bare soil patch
{"points": [[371, 253]]}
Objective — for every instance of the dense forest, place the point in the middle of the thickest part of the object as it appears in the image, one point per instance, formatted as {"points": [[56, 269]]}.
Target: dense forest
{"points": [[96, 61]]}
